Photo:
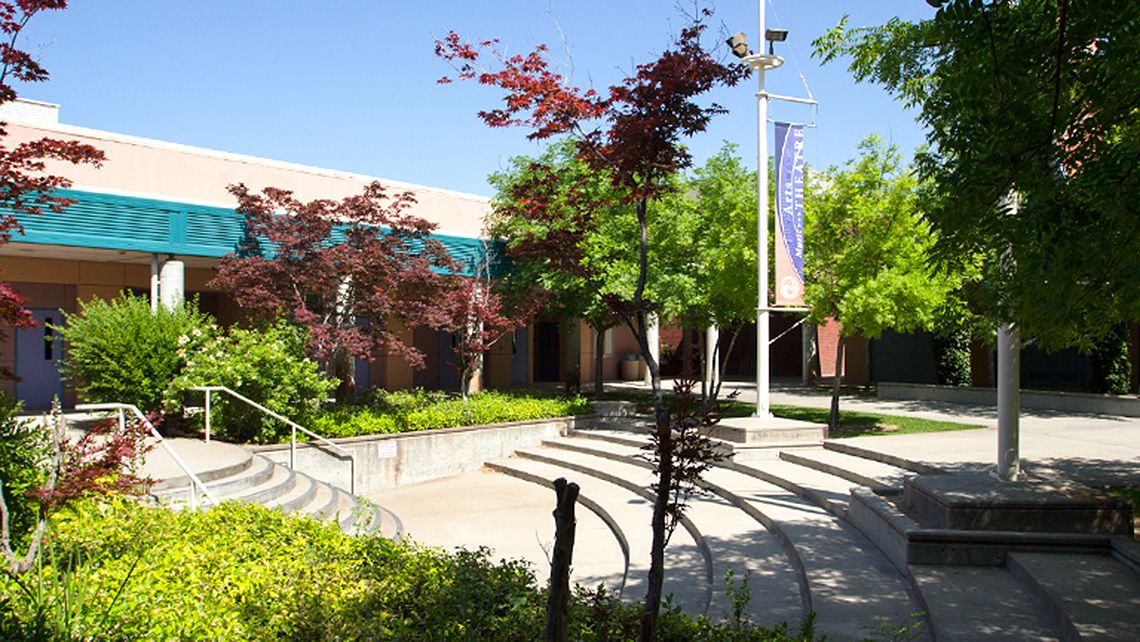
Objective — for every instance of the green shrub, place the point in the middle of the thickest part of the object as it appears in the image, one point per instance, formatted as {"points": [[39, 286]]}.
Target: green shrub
{"points": [[24, 452], [121, 571], [1112, 369], [952, 357], [266, 365], [121, 351], [380, 412]]}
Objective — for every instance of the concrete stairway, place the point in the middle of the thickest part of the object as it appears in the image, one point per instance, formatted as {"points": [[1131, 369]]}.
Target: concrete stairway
{"points": [[233, 473], [784, 521]]}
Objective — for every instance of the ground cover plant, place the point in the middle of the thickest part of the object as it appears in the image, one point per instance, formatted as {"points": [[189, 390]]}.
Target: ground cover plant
{"points": [[116, 570], [381, 411]]}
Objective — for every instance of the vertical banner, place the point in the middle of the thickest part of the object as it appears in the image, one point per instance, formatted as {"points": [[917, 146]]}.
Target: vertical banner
{"points": [[789, 214]]}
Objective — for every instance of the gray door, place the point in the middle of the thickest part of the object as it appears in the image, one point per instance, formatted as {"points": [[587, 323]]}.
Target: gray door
{"points": [[38, 351]]}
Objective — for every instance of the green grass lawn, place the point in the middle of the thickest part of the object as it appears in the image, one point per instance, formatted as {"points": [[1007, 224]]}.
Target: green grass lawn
{"points": [[851, 424]]}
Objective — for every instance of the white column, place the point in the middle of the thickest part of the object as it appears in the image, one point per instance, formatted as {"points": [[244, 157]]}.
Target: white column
{"points": [[154, 281], [653, 337], [1009, 402], [172, 283], [712, 357]]}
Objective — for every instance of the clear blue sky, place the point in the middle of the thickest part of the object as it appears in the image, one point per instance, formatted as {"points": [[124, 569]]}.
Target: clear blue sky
{"points": [[351, 84]]}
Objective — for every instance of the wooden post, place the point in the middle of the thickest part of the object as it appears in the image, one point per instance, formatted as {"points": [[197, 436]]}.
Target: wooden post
{"points": [[557, 610]]}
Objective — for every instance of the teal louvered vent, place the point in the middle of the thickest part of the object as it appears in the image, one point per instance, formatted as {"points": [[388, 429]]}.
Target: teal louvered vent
{"points": [[114, 222]]}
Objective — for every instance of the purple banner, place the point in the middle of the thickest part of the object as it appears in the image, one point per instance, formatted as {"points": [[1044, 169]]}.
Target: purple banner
{"points": [[789, 214]]}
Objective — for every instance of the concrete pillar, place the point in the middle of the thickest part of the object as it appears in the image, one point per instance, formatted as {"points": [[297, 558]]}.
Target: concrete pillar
{"points": [[712, 357], [154, 281], [653, 337], [1009, 402], [172, 283]]}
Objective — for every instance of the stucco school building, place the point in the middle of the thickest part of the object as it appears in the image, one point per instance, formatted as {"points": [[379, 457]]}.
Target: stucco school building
{"points": [[156, 219]]}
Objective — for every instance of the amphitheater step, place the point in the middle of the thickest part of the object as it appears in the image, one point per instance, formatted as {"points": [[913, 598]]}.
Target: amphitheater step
{"points": [[741, 544], [969, 603], [1091, 597], [628, 515], [845, 576]]}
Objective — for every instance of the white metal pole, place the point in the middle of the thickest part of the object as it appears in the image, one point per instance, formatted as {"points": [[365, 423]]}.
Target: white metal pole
{"points": [[1009, 402], [712, 357], [207, 416], [762, 328]]}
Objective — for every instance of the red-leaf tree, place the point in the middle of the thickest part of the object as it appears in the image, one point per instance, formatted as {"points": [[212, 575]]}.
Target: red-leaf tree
{"points": [[477, 317], [347, 270], [104, 460], [25, 188], [633, 134]]}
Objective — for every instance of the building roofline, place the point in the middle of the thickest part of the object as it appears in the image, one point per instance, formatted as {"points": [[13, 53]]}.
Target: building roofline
{"points": [[129, 139]]}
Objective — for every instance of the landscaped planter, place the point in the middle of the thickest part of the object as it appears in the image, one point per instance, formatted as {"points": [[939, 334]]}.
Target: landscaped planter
{"points": [[387, 461]]}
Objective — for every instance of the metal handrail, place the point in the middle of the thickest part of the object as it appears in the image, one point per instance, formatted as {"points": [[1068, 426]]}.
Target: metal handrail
{"points": [[288, 422], [195, 481]]}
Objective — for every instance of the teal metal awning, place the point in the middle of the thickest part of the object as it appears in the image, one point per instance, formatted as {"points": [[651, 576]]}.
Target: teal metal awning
{"points": [[128, 223]]}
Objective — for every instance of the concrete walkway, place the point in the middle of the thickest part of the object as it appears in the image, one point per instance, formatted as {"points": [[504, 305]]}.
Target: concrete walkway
{"points": [[513, 517]]}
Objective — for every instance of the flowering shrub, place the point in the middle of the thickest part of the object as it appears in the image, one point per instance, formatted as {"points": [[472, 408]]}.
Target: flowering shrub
{"points": [[120, 351], [267, 365]]}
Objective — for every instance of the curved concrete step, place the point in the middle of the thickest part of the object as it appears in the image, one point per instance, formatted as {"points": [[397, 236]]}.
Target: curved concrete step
{"points": [[740, 544], [303, 490], [845, 577], [280, 482], [872, 474], [970, 603], [1090, 597], [628, 515]]}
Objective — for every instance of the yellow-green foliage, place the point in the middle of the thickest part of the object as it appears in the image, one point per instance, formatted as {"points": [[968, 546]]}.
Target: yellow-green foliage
{"points": [[403, 411], [121, 571], [243, 572]]}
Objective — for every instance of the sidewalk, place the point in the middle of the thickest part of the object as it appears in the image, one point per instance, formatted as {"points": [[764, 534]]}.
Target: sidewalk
{"points": [[1091, 449]]}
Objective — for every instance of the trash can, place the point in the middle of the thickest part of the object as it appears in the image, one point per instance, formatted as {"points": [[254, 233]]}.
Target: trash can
{"points": [[630, 367]]}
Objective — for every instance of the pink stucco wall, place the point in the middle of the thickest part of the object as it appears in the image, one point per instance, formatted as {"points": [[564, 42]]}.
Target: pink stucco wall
{"points": [[156, 169]]}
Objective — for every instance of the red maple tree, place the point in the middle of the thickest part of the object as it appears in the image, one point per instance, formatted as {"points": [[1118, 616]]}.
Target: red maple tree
{"points": [[25, 188], [634, 134], [477, 317], [347, 270]]}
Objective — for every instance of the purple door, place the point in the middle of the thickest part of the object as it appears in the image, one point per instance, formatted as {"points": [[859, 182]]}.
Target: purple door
{"points": [[38, 351]]}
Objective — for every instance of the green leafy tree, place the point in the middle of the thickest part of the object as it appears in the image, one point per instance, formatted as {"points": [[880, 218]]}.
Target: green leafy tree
{"points": [[720, 252], [571, 189], [866, 256], [1034, 98]]}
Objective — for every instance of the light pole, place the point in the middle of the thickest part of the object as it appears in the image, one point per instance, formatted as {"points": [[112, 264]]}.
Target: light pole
{"points": [[761, 62]]}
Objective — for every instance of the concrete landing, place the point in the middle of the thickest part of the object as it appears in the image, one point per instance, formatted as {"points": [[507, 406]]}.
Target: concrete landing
{"points": [[757, 438], [977, 502]]}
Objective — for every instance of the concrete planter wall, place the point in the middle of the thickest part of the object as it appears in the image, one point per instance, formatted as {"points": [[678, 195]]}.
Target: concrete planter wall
{"points": [[387, 461], [1124, 405]]}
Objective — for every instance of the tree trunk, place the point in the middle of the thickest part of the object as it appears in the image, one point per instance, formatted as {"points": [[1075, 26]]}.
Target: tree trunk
{"points": [[660, 503], [557, 604], [833, 416], [342, 367], [599, 363]]}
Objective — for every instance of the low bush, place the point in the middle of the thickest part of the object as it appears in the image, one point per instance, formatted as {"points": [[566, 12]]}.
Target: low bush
{"points": [[121, 571], [379, 412], [269, 366], [119, 351], [24, 449]]}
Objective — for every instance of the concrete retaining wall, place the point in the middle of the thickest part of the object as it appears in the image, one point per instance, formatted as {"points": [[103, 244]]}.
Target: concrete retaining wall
{"points": [[1124, 405], [386, 461]]}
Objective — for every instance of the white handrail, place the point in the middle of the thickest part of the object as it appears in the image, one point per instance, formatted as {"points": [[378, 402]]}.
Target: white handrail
{"points": [[288, 422], [195, 482]]}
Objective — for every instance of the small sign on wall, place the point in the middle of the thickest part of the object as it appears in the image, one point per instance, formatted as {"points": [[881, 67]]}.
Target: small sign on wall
{"points": [[386, 449]]}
